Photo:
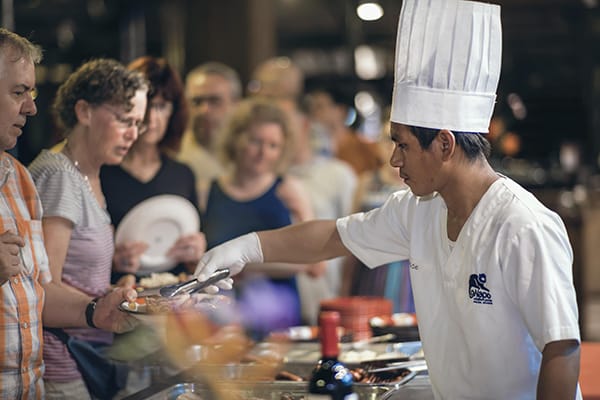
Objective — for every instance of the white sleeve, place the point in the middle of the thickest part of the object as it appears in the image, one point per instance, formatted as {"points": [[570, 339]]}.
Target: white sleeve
{"points": [[539, 277], [379, 236]]}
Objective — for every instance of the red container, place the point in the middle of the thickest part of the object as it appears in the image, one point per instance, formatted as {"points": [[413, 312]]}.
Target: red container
{"points": [[356, 312]]}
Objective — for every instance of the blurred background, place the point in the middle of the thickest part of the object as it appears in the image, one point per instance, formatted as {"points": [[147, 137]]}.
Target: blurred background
{"points": [[546, 127], [549, 87]]}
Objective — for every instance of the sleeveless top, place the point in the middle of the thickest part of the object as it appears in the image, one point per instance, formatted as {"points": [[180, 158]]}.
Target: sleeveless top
{"points": [[226, 218], [65, 193]]}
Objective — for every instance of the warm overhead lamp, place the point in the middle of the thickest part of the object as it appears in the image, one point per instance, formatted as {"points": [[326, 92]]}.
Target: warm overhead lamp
{"points": [[369, 10]]}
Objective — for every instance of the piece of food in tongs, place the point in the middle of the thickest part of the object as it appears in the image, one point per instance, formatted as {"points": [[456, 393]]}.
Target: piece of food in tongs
{"points": [[189, 287]]}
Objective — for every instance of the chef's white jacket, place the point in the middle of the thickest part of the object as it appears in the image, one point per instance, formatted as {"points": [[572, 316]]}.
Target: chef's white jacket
{"points": [[486, 304]]}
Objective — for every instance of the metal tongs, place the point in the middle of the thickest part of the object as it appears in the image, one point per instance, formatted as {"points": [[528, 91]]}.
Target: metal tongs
{"points": [[188, 287]]}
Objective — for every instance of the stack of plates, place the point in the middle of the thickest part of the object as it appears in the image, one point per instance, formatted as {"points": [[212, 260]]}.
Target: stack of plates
{"points": [[356, 312]]}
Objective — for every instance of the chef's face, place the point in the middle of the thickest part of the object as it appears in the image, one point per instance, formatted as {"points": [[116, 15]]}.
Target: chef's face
{"points": [[418, 167]]}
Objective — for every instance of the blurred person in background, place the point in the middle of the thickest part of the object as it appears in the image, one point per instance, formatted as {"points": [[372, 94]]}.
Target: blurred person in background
{"points": [[149, 169], [212, 91], [392, 280], [331, 185], [28, 291], [326, 109], [279, 78], [101, 108], [257, 194]]}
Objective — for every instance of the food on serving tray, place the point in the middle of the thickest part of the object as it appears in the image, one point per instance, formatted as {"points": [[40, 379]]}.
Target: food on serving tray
{"points": [[201, 302], [360, 375], [158, 279], [151, 305]]}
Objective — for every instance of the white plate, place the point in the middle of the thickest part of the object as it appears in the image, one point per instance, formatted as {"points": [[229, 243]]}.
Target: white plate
{"points": [[158, 221]]}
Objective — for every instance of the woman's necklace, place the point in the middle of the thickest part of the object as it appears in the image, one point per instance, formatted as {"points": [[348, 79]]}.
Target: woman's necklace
{"points": [[69, 154]]}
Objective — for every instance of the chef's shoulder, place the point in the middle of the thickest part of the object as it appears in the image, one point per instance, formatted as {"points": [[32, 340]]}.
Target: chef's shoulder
{"points": [[521, 210]]}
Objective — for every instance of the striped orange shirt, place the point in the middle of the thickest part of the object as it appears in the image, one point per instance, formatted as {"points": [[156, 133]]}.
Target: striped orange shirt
{"points": [[22, 296]]}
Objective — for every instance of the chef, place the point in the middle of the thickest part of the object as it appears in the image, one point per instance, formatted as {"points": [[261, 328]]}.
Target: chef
{"points": [[491, 267]]}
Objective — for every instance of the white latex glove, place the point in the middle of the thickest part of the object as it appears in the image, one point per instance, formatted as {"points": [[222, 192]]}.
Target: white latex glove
{"points": [[234, 254]]}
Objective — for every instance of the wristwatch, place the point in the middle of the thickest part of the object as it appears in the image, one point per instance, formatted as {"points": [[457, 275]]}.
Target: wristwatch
{"points": [[89, 312]]}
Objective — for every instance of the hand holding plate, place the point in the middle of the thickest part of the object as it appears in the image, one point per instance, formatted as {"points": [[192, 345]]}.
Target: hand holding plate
{"points": [[188, 248], [108, 315], [127, 256]]}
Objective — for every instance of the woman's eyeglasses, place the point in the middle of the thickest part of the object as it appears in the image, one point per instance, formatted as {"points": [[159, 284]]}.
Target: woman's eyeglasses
{"points": [[127, 123]]}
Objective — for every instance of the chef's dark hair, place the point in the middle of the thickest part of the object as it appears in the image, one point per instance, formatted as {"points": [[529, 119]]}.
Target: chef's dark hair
{"points": [[474, 145]]}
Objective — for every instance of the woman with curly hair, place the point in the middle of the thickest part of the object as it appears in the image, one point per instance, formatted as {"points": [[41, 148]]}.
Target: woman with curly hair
{"points": [[101, 109]]}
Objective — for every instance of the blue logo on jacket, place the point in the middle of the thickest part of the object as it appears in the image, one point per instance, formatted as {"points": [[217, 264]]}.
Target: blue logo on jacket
{"points": [[477, 290]]}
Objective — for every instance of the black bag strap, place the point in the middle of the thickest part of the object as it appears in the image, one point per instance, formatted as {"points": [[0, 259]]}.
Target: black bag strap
{"points": [[59, 333]]}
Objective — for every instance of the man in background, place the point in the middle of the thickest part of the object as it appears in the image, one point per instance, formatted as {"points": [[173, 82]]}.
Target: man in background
{"points": [[212, 90], [327, 110]]}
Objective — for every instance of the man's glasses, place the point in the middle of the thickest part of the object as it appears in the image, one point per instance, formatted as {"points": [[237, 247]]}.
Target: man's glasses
{"points": [[127, 123], [23, 91], [212, 101]]}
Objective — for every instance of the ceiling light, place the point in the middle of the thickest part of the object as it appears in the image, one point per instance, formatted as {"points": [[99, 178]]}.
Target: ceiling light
{"points": [[369, 11], [369, 63], [590, 3]]}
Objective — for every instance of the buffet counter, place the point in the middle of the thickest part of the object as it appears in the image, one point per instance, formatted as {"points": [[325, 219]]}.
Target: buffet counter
{"points": [[285, 379], [182, 387]]}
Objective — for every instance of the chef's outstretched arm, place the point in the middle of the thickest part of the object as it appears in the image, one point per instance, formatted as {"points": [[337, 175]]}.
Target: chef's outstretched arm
{"points": [[307, 242], [303, 243]]}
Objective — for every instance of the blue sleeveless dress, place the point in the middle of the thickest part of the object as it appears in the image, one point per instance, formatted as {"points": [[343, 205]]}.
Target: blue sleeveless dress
{"points": [[265, 304]]}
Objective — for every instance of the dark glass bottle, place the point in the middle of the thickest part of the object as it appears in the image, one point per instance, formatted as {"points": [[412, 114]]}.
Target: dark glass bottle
{"points": [[330, 379]]}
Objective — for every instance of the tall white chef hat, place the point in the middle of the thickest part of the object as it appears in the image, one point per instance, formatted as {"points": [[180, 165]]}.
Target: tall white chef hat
{"points": [[448, 56]]}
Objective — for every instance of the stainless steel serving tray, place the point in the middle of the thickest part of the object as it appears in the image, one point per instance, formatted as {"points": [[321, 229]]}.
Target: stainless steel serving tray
{"points": [[249, 381], [275, 390]]}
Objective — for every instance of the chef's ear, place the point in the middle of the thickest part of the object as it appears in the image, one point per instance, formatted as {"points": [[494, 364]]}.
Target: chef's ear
{"points": [[447, 142]]}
